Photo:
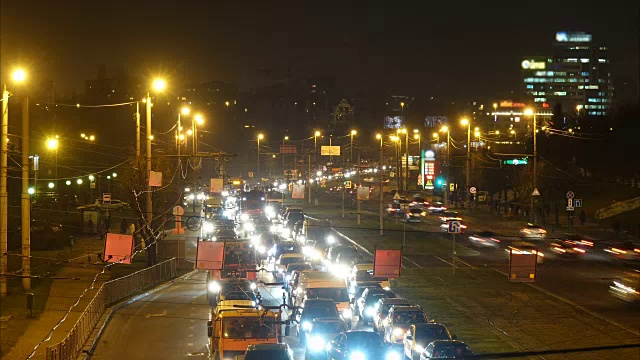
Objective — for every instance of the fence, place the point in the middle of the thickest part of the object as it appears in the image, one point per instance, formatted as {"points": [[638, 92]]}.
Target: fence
{"points": [[109, 293]]}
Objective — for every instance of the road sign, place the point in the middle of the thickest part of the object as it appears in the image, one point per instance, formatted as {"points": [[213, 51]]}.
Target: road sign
{"points": [[522, 161], [330, 150], [452, 187], [106, 198], [396, 196], [570, 202], [472, 189], [347, 184], [570, 208], [250, 174], [570, 195], [535, 192], [577, 202], [92, 185], [454, 227], [288, 149]]}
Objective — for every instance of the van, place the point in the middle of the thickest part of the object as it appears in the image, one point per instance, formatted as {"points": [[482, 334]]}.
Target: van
{"points": [[364, 272], [322, 285]]}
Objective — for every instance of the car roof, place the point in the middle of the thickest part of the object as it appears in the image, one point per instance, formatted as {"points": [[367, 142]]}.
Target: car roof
{"points": [[328, 320], [391, 301], [320, 301], [402, 308], [428, 325], [267, 347], [291, 255]]}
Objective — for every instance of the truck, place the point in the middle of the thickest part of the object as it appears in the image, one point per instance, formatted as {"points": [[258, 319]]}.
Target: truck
{"points": [[240, 262]]}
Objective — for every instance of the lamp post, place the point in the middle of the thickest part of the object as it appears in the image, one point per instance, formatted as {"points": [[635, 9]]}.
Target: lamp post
{"points": [[467, 123], [52, 144], [406, 158], [286, 138], [179, 137], [416, 136], [315, 146], [353, 132], [398, 143], [260, 137], [447, 186], [380, 189], [531, 112]]}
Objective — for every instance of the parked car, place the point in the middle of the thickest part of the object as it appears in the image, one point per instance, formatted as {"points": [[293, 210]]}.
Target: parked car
{"points": [[268, 351]]}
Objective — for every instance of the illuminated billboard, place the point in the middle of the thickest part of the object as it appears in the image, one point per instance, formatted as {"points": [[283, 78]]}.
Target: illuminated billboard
{"points": [[563, 36], [393, 122], [435, 121], [428, 174]]}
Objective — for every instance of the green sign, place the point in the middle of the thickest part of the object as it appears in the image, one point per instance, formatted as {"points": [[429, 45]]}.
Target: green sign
{"points": [[523, 161]]}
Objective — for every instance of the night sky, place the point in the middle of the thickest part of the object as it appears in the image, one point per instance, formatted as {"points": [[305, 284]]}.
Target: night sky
{"points": [[403, 47]]}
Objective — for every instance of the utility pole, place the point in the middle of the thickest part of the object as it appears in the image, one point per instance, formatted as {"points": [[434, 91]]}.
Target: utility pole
{"points": [[26, 201], [381, 192], [359, 186], [309, 177], [406, 160], [149, 203], [137, 131], [448, 186], [4, 205], [535, 168]]}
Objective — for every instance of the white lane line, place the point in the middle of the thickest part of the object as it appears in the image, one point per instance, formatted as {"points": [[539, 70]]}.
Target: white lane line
{"points": [[365, 249], [411, 261], [443, 260]]}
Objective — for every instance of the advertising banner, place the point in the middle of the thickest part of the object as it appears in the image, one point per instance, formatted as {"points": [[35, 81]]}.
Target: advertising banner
{"points": [[393, 122], [330, 150], [155, 178], [288, 149], [297, 192], [210, 255], [387, 263], [216, 185], [118, 248]]}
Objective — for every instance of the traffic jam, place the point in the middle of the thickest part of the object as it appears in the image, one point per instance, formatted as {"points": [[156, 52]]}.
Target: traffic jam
{"points": [[282, 285]]}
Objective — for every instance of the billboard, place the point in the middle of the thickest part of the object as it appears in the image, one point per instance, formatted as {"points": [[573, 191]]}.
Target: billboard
{"points": [[210, 255], [288, 149], [216, 185], [387, 263], [330, 150], [118, 248], [297, 192], [363, 193], [393, 122], [435, 121], [428, 173]]}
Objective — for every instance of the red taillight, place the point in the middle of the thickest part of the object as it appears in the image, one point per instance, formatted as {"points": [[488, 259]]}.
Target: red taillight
{"points": [[496, 240]]}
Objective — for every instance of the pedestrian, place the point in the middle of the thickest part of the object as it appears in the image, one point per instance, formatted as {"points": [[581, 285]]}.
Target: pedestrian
{"points": [[123, 226]]}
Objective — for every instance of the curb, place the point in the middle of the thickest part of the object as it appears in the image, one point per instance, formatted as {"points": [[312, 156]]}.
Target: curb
{"points": [[113, 309]]}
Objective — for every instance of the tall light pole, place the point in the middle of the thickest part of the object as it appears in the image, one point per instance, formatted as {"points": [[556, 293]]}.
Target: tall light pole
{"points": [[380, 189], [353, 132], [19, 76], [315, 146], [53, 144], [398, 144], [260, 137], [286, 138], [158, 85], [185, 110], [530, 112], [447, 186], [467, 123], [406, 158]]}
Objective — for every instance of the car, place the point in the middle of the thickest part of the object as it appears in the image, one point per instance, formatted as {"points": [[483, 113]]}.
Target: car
{"points": [[533, 231], [360, 345], [567, 248], [627, 288], [288, 273], [484, 239], [420, 335], [284, 247], [346, 259], [313, 309], [312, 251], [444, 227], [359, 289], [322, 331], [268, 351], [240, 295], [413, 215], [399, 320], [436, 208], [224, 234], [334, 250], [626, 250], [368, 299], [382, 310], [523, 248], [446, 349], [449, 215], [283, 261], [217, 290]]}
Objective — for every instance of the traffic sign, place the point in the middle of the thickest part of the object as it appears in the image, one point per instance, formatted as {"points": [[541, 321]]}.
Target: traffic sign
{"points": [[347, 184], [454, 227], [570, 208], [452, 187], [522, 161], [535, 192], [577, 202], [106, 198], [396, 196], [570, 195], [472, 189], [250, 174], [570, 202]]}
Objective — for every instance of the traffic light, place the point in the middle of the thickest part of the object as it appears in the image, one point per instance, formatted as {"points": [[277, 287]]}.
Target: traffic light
{"points": [[439, 181]]}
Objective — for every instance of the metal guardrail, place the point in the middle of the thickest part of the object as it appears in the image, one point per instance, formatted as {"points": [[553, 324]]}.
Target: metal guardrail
{"points": [[109, 293]]}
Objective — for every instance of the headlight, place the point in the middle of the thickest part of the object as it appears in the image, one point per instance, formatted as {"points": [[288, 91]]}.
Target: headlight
{"points": [[213, 287], [385, 288], [288, 277], [253, 286], [357, 356], [280, 270], [286, 232], [392, 355], [346, 313], [419, 349], [397, 332], [369, 311], [207, 227], [306, 326], [331, 239], [317, 343], [253, 303], [385, 322], [301, 238], [273, 229], [244, 217], [261, 249], [248, 227]]}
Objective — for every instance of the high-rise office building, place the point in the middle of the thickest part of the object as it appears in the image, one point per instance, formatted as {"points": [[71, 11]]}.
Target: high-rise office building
{"points": [[576, 75]]}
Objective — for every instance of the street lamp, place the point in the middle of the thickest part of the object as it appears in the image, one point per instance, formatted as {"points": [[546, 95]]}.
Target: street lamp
{"points": [[315, 146], [159, 84], [416, 136], [52, 144], [51, 185], [285, 138], [467, 123], [185, 110], [446, 190], [79, 181], [398, 141], [260, 137], [406, 158], [380, 190], [353, 132], [198, 119], [531, 112]]}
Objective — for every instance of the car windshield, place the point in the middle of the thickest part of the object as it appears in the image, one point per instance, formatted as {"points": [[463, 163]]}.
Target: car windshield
{"points": [[247, 328], [409, 317], [335, 294], [328, 327], [236, 257], [267, 355], [452, 351], [294, 267], [240, 295], [375, 297], [290, 260], [364, 339], [431, 333], [234, 286], [386, 307], [315, 312]]}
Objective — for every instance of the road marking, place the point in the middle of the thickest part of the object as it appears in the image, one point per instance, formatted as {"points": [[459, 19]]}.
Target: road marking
{"points": [[612, 322], [163, 313], [443, 260], [363, 248], [411, 261]]}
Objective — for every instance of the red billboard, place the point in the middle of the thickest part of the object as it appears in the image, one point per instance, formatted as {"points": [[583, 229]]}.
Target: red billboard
{"points": [[387, 263], [118, 248], [210, 255]]}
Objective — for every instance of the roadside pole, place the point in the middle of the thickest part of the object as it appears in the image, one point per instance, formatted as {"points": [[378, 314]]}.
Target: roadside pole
{"points": [[343, 190], [4, 205], [381, 190], [453, 254], [309, 178], [26, 201], [359, 186]]}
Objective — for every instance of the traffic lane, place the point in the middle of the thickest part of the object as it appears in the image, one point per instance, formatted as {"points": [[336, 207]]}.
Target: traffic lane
{"points": [[169, 324]]}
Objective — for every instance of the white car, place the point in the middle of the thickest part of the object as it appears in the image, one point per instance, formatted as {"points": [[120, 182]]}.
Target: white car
{"points": [[533, 231]]}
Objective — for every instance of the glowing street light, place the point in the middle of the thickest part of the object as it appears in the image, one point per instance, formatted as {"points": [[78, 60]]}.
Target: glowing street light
{"points": [[114, 175], [19, 75], [51, 185], [199, 119], [52, 143], [68, 182], [79, 181], [185, 110], [92, 178], [159, 84], [31, 191]]}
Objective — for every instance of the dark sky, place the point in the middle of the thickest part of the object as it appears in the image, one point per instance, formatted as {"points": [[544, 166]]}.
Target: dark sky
{"points": [[410, 47]]}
